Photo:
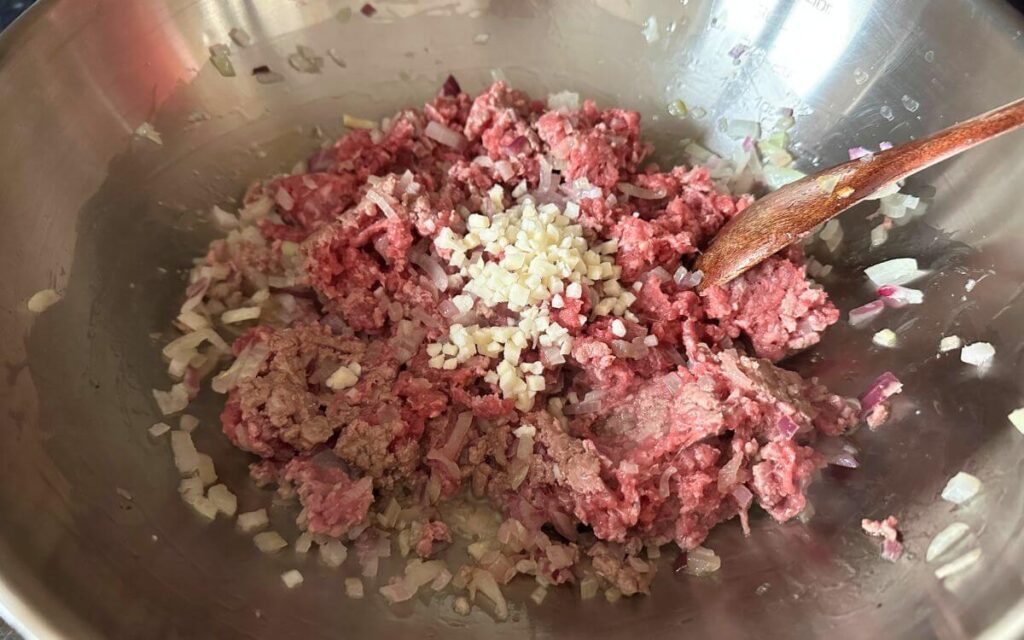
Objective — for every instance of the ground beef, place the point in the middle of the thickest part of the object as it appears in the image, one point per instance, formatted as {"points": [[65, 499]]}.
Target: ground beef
{"points": [[888, 530], [657, 426], [332, 502], [774, 306]]}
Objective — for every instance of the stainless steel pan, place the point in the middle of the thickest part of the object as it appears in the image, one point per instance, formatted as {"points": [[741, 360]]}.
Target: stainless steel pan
{"points": [[89, 209]]}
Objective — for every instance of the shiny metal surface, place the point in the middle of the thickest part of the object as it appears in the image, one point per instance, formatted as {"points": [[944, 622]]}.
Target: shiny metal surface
{"points": [[90, 210]]}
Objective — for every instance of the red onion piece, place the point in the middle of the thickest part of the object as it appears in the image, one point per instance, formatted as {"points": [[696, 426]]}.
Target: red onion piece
{"points": [[787, 427], [742, 495], [859, 152], [896, 296], [320, 161], [545, 180], [634, 191], [284, 199], [442, 134], [518, 145], [884, 387], [884, 145], [892, 550], [866, 313], [451, 86], [449, 467], [368, 10], [448, 309], [505, 169]]}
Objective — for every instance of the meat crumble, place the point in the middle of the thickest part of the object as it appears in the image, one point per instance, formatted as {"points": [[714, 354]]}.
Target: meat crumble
{"points": [[490, 302]]}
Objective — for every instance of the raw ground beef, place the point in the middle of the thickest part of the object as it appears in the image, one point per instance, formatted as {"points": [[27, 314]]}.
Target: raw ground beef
{"points": [[654, 429]]}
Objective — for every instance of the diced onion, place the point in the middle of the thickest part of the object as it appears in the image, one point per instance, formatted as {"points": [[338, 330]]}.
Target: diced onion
{"points": [[431, 267], [252, 521], [979, 354], [866, 313], [484, 582], [172, 401], [186, 458], [564, 101], [382, 203], [291, 578], [246, 366], [1016, 418], [634, 191], [961, 488], [885, 386], [885, 338], [702, 561], [946, 540], [43, 300], [269, 541], [442, 134], [222, 497], [896, 296], [333, 553], [545, 180], [950, 343], [354, 588], [960, 564], [895, 271], [242, 314]]}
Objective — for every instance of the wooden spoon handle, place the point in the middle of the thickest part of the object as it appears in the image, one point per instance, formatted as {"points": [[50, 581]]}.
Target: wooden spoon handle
{"points": [[790, 213]]}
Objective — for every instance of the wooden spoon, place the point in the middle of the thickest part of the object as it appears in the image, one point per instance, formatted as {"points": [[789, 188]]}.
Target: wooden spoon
{"points": [[790, 213]]}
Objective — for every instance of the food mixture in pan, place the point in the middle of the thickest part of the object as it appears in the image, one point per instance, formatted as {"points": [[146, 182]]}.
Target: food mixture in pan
{"points": [[479, 321]]}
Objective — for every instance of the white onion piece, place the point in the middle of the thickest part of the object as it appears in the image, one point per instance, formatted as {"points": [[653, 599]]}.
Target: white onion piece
{"points": [[832, 235], [688, 280], [950, 343], [224, 220], [979, 354], [895, 271], [442, 134], [43, 300], [223, 499], [634, 191], [382, 203], [958, 565], [269, 541], [252, 521], [354, 588], [701, 562], [946, 540], [563, 101], [291, 578], [241, 314], [333, 553], [431, 267], [484, 582], [185, 346], [246, 366], [961, 488], [1016, 418], [171, 401], [186, 458]]}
